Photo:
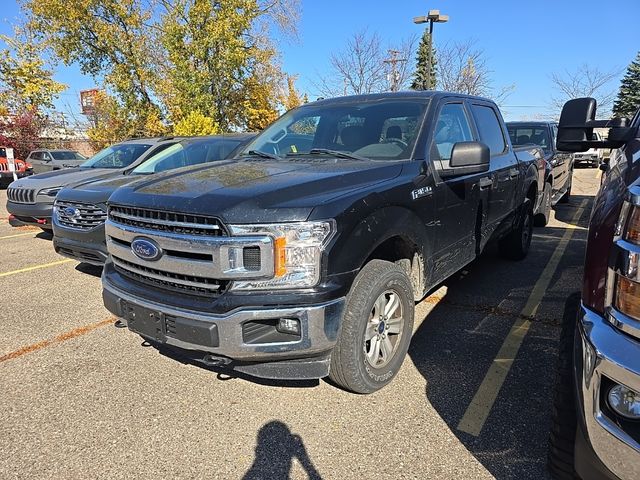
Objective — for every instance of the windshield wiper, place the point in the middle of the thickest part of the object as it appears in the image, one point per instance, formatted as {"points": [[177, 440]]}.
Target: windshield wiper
{"points": [[335, 153], [261, 154]]}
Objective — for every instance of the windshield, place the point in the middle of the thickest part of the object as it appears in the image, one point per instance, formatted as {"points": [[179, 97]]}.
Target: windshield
{"points": [[384, 130], [188, 153], [67, 155], [529, 135], [116, 156]]}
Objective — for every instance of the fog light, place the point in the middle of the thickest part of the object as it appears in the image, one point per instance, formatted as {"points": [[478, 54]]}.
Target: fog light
{"points": [[624, 402], [289, 325]]}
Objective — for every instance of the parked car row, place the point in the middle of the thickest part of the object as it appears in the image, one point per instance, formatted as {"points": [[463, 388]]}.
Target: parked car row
{"points": [[301, 253]]}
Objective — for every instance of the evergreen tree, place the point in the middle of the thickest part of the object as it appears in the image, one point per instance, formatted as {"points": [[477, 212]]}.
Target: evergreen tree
{"points": [[628, 100], [422, 80]]}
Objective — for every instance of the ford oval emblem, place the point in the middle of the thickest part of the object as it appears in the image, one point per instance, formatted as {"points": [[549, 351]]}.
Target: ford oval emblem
{"points": [[146, 249], [71, 212]]}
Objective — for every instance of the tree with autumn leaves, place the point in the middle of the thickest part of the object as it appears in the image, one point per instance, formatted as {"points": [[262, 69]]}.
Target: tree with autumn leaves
{"points": [[191, 66]]}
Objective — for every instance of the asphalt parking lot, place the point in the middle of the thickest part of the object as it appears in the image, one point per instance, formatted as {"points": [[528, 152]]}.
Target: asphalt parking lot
{"points": [[80, 398]]}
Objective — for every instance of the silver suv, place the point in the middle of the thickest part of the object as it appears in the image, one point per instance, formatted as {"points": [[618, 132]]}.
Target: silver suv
{"points": [[47, 160]]}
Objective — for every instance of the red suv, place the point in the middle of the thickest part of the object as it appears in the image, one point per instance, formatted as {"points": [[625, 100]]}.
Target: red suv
{"points": [[23, 168], [596, 415]]}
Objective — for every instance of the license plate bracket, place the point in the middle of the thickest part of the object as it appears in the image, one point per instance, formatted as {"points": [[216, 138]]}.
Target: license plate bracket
{"points": [[144, 321]]}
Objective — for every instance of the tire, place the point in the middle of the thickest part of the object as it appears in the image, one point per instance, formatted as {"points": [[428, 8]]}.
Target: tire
{"points": [[567, 195], [358, 364], [515, 246], [542, 218], [560, 458]]}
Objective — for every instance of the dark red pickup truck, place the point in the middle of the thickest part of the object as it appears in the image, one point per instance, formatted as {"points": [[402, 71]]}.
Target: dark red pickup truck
{"points": [[596, 415]]}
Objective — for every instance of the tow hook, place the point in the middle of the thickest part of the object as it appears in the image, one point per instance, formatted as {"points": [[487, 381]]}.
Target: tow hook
{"points": [[213, 361]]}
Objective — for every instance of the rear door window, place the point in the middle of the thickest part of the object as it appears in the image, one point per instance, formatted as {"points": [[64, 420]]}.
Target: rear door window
{"points": [[489, 128]]}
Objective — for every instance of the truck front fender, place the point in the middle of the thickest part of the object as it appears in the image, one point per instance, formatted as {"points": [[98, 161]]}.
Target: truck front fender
{"points": [[393, 227]]}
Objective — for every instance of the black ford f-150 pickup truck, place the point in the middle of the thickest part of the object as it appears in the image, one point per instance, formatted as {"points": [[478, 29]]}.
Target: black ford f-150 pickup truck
{"points": [[304, 257], [557, 176]]}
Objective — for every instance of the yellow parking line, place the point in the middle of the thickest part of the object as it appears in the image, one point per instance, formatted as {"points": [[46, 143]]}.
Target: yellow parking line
{"points": [[476, 415], [36, 267], [76, 332], [19, 235]]}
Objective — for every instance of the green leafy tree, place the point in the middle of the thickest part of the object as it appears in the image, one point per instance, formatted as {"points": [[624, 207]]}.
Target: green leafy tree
{"points": [[26, 83], [219, 63], [424, 78], [628, 100], [112, 41], [196, 124]]}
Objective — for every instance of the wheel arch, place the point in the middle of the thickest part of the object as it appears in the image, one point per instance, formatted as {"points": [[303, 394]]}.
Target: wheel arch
{"points": [[394, 234]]}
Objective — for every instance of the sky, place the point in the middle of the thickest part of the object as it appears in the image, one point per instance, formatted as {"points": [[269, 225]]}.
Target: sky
{"points": [[524, 42]]}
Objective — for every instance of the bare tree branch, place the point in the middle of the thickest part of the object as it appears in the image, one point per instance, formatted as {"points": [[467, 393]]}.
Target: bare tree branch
{"points": [[360, 67], [585, 81]]}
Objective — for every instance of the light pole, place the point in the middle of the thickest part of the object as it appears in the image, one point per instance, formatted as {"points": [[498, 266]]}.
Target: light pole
{"points": [[432, 17]]}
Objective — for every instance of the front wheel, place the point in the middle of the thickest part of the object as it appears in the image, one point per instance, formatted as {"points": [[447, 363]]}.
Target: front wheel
{"points": [[376, 328], [515, 246]]}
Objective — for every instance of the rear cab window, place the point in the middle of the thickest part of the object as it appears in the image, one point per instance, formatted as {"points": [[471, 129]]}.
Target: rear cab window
{"points": [[522, 135]]}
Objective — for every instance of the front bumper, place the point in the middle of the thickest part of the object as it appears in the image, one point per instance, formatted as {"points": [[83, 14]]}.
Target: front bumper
{"points": [[603, 354], [37, 214], [586, 158], [87, 246], [221, 338]]}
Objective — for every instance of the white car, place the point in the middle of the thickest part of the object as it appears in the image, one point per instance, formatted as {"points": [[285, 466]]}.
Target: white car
{"points": [[593, 156]]}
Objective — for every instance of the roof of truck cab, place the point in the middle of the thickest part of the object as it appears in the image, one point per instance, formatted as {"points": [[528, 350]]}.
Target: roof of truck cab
{"points": [[405, 95], [532, 122]]}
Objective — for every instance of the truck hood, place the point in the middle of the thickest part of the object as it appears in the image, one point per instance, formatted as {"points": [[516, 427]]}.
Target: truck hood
{"points": [[95, 191], [256, 191], [62, 178]]}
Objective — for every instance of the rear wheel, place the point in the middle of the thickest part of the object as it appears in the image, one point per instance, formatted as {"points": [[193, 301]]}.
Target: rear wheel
{"points": [[515, 246], [376, 328], [542, 218]]}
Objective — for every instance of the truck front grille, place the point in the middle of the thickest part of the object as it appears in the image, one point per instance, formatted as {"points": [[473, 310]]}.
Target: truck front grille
{"points": [[180, 223], [168, 280], [21, 195], [79, 216]]}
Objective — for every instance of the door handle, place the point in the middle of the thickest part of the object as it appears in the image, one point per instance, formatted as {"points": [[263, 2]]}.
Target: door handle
{"points": [[485, 182], [513, 173]]}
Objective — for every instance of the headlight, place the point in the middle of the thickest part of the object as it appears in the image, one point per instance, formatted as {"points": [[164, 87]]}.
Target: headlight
{"points": [[297, 252], [51, 192]]}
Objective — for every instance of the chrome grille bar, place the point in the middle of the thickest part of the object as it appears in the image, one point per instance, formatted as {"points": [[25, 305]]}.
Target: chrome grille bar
{"points": [[21, 195], [85, 216]]}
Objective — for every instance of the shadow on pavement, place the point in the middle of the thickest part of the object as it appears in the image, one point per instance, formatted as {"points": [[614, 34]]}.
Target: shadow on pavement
{"points": [[457, 342], [88, 269], [186, 357], [45, 235], [276, 447]]}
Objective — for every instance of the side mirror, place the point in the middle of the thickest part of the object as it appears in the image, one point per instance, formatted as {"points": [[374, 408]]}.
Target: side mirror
{"points": [[577, 121], [467, 158]]}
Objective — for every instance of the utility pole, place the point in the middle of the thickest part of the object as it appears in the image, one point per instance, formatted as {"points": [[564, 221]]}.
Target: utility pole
{"points": [[394, 81]]}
